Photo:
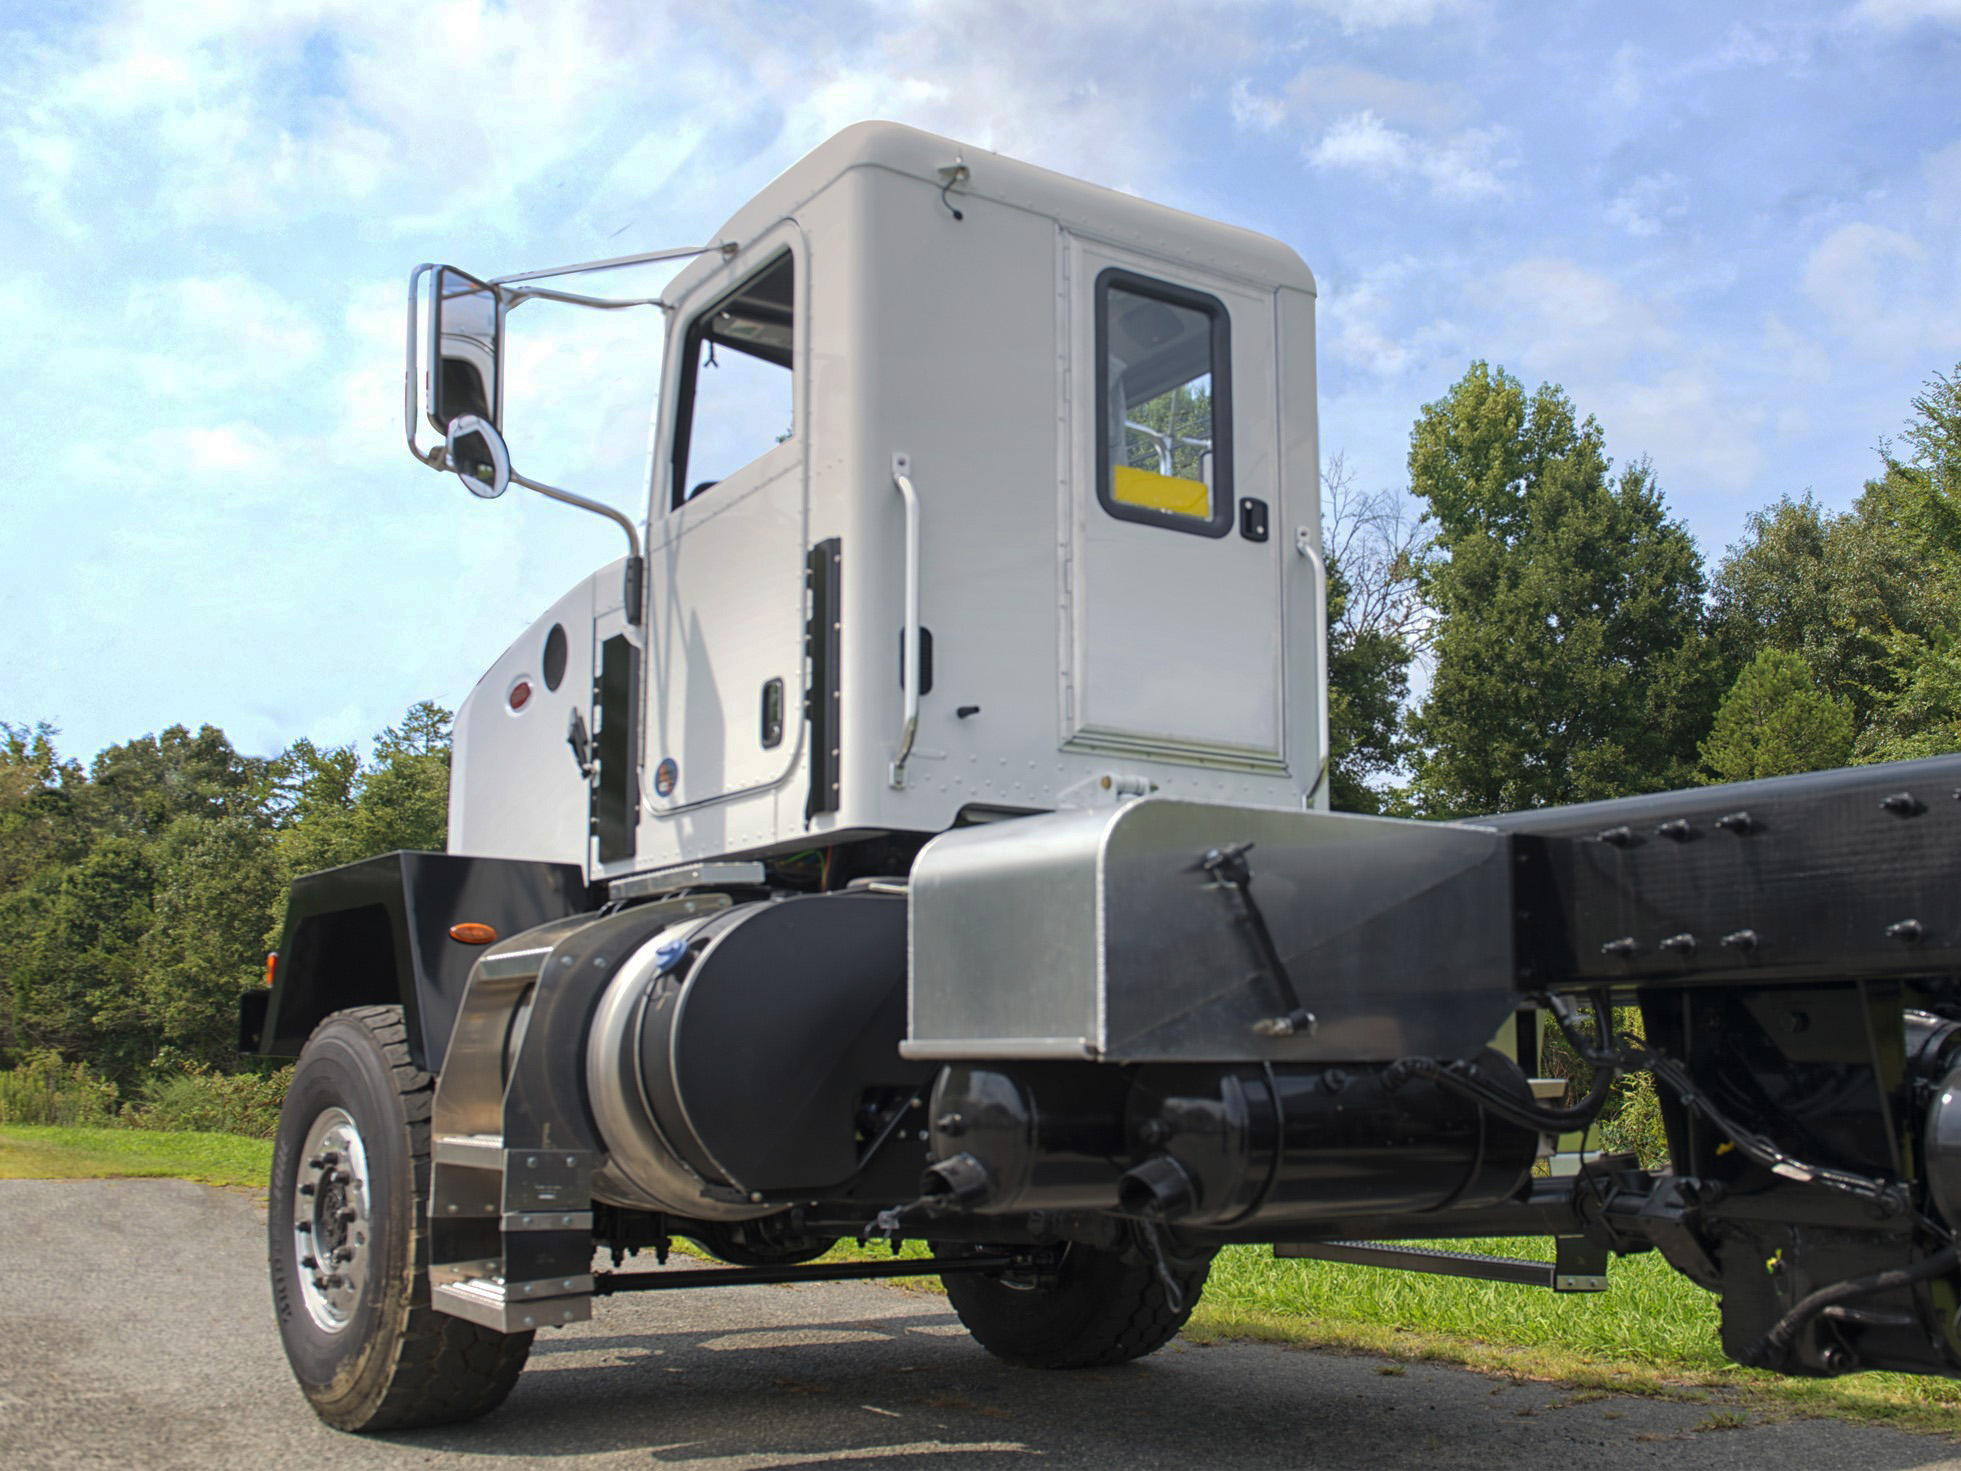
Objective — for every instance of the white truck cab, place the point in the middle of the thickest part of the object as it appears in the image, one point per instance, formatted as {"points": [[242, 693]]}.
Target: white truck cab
{"points": [[975, 490]]}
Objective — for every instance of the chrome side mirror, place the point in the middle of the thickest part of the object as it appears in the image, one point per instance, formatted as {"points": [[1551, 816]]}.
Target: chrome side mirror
{"points": [[466, 371], [479, 456]]}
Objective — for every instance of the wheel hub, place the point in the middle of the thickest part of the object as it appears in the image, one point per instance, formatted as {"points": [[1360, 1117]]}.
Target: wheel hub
{"points": [[332, 1220]]}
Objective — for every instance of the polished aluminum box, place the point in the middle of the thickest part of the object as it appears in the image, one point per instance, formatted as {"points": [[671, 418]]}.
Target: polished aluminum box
{"points": [[1101, 934]]}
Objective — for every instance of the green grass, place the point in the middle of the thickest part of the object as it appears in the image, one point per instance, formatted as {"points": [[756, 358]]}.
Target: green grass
{"points": [[1652, 1332], [49, 1152]]}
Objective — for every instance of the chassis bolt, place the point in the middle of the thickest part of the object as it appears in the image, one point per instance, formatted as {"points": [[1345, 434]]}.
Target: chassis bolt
{"points": [[1624, 948], [1679, 829], [1740, 823], [1618, 837], [1903, 804], [1744, 940], [1907, 931]]}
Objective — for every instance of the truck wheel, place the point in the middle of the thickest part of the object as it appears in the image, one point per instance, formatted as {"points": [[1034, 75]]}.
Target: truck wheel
{"points": [[347, 1230], [1102, 1307]]}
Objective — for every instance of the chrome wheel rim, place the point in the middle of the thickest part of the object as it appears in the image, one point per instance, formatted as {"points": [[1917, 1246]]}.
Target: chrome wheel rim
{"points": [[332, 1221]]}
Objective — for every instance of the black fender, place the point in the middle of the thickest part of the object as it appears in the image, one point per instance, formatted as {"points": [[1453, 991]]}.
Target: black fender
{"points": [[377, 933]]}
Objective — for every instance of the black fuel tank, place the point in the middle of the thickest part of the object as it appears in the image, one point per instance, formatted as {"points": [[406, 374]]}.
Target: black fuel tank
{"points": [[758, 1048]]}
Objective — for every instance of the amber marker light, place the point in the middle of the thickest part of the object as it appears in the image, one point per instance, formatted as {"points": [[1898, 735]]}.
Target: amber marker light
{"points": [[272, 964], [472, 934]]}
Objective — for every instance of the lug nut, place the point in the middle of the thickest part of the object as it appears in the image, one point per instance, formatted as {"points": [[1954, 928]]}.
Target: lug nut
{"points": [[309, 1262], [348, 1213], [305, 1228]]}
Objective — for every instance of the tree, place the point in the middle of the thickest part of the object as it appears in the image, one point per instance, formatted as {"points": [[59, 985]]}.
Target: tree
{"points": [[1834, 590], [1918, 502], [1570, 662], [1776, 721], [1377, 625]]}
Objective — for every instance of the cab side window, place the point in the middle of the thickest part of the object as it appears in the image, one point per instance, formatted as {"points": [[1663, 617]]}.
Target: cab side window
{"points": [[1164, 404], [736, 401]]}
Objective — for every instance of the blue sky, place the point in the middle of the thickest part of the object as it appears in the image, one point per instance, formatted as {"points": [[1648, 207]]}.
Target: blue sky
{"points": [[1732, 232]]}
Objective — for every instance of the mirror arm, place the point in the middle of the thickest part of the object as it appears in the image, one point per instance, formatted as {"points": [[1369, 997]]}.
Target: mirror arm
{"points": [[603, 303], [635, 566], [726, 247]]}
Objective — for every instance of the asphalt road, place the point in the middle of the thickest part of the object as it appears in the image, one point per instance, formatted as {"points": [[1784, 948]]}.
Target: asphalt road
{"points": [[136, 1331]]}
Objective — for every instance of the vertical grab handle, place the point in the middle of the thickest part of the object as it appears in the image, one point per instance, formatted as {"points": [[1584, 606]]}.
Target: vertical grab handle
{"points": [[1304, 544], [902, 480]]}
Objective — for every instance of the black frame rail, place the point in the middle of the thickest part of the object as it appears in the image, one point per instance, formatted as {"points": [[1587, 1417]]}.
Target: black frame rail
{"points": [[607, 1283]]}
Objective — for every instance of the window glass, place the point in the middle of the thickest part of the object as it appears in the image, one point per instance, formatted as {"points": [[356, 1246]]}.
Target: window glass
{"points": [[736, 400], [1162, 404]]}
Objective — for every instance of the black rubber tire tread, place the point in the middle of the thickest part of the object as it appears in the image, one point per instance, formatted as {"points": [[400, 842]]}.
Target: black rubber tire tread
{"points": [[1107, 1307], [413, 1366]]}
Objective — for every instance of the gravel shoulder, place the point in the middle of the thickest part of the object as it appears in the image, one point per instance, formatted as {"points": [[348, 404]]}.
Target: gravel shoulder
{"points": [[136, 1330]]}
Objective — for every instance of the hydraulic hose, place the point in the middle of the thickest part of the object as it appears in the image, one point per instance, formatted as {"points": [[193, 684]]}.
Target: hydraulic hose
{"points": [[1774, 1347]]}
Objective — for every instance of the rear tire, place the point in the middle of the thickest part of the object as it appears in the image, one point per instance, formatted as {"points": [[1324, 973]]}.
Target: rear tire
{"points": [[349, 1255], [1104, 1307]]}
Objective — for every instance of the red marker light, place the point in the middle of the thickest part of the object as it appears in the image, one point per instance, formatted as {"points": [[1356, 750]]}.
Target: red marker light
{"points": [[520, 695]]}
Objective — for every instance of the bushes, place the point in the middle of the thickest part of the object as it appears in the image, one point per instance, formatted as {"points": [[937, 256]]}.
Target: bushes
{"points": [[189, 1096], [195, 1098], [46, 1090]]}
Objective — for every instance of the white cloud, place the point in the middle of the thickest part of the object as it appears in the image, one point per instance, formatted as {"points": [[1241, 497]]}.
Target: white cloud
{"points": [[1571, 319], [1893, 15], [1375, 323], [1252, 110], [1333, 90], [1361, 141], [1649, 204], [1626, 83], [1378, 15], [1469, 165], [1687, 423], [1881, 290], [1794, 353]]}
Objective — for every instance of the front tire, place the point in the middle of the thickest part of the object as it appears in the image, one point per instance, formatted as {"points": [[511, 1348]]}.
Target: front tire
{"points": [[348, 1241], [1102, 1307]]}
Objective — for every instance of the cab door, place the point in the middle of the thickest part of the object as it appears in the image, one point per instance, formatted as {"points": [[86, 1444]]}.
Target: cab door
{"points": [[1173, 578], [726, 557]]}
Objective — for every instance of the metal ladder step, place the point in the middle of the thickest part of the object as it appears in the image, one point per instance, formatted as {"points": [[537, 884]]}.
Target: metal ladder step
{"points": [[1579, 1266]]}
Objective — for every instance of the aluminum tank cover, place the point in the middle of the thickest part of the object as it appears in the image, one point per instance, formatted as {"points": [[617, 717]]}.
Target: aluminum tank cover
{"points": [[1105, 934]]}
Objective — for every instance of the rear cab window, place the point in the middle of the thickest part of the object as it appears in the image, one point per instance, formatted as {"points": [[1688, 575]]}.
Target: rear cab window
{"points": [[1164, 404]]}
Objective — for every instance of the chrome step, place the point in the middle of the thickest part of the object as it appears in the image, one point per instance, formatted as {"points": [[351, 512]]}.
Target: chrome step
{"points": [[516, 1307]]}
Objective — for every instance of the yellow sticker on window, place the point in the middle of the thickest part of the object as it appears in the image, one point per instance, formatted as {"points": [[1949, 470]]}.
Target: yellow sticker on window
{"points": [[1171, 493]]}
